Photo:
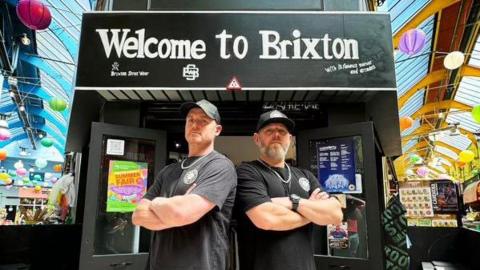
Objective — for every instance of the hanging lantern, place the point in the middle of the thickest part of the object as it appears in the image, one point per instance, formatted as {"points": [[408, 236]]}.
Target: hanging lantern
{"points": [[476, 113], [18, 164], [409, 172], [38, 188], [34, 14], [48, 175], [412, 41], [12, 174], [415, 159], [4, 177], [466, 156], [460, 164], [405, 123], [47, 142], [4, 134], [453, 60], [41, 163], [57, 104], [3, 154], [21, 171], [422, 171], [57, 168], [54, 180]]}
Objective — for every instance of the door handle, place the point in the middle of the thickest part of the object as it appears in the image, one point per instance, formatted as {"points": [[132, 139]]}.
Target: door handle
{"points": [[121, 264]]}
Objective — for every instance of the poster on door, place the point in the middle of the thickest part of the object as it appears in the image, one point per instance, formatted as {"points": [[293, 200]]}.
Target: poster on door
{"points": [[127, 183], [336, 166]]}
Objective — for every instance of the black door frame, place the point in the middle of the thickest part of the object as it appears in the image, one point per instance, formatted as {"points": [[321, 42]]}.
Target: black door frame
{"points": [[371, 189], [89, 261]]}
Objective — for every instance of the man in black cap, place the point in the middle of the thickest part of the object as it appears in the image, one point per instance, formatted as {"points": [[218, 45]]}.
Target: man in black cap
{"points": [[189, 206], [276, 203]]}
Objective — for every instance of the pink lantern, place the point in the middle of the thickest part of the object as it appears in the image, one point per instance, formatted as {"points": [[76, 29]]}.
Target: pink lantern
{"points": [[422, 171], [34, 14], [21, 172], [412, 41], [4, 134]]}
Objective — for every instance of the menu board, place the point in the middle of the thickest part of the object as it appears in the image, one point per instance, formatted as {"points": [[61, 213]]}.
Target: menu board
{"points": [[336, 166], [127, 183]]}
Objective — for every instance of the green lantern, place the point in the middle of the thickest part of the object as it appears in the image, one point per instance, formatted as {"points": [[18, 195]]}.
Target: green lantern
{"points": [[57, 104], [476, 113], [47, 142]]}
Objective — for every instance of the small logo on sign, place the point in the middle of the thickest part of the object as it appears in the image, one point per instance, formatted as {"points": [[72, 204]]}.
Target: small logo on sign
{"points": [[304, 183], [115, 66], [234, 85], [190, 72], [190, 177]]}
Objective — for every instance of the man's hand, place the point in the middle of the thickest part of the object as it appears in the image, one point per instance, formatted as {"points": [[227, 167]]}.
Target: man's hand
{"points": [[317, 194]]}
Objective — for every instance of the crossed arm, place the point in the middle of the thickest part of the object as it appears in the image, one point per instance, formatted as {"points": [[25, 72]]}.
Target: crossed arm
{"points": [[278, 216], [163, 213]]}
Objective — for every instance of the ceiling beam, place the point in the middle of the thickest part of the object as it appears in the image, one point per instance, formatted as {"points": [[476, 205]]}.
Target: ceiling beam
{"points": [[431, 8], [448, 146], [440, 105], [466, 70], [430, 78]]}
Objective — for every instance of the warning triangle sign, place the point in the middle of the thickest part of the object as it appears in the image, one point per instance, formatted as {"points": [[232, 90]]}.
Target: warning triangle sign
{"points": [[234, 85]]}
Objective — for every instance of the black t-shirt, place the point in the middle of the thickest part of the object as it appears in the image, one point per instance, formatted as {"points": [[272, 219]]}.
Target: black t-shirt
{"points": [[202, 245], [277, 250]]}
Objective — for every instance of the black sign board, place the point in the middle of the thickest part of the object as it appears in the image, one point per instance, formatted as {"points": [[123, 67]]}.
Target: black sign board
{"points": [[262, 50]]}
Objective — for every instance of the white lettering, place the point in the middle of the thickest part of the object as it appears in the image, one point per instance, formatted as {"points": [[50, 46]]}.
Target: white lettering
{"points": [[223, 44], [269, 41], [236, 43]]}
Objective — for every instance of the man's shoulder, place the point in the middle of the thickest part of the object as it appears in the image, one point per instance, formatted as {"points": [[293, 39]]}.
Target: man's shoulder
{"points": [[219, 159]]}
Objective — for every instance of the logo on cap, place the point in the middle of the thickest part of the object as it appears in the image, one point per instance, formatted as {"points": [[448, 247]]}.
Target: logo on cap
{"points": [[277, 114]]}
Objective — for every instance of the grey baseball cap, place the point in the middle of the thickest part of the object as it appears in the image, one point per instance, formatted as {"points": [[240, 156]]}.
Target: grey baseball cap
{"points": [[275, 117], [209, 109]]}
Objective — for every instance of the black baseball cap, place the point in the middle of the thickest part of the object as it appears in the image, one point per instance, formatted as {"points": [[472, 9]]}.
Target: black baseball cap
{"points": [[275, 117], [209, 109]]}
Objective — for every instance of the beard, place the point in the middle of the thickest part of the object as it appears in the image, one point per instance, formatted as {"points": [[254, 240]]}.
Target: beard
{"points": [[274, 151]]}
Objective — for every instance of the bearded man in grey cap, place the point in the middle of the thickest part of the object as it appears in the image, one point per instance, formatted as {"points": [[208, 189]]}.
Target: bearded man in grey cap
{"points": [[276, 204], [189, 205]]}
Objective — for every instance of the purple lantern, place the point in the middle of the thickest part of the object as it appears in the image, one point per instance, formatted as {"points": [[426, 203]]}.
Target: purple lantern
{"points": [[422, 171], [34, 14], [412, 41], [4, 134]]}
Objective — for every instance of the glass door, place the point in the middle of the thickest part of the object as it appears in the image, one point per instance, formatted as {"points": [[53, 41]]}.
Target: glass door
{"points": [[343, 159], [123, 162]]}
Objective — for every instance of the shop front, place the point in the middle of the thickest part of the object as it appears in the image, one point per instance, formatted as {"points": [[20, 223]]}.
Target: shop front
{"points": [[332, 73]]}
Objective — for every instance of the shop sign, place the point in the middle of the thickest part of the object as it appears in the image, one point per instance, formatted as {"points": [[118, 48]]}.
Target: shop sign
{"points": [[205, 49]]}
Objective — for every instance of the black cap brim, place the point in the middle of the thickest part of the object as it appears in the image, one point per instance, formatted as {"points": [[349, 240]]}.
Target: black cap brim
{"points": [[288, 123]]}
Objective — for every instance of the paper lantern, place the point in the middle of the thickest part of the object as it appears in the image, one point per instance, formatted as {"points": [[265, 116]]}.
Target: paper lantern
{"points": [[12, 174], [460, 164], [453, 60], [4, 176], [37, 177], [21, 171], [18, 164], [41, 163], [405, 123], [54, 180], [47, 142], [48, 175], [3, 154], [57, 104], [412, 41], [57, 167], [476, 113], [466, 156], [34, 14], [415, 159], [38, 188], [422, 171], [4, 134]]}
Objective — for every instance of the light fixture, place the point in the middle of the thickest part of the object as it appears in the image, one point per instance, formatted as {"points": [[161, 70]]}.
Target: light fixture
{"points": [[31, 170], [177, 145], [21, 108], [25, 40], [11, 94], [40, 135]]}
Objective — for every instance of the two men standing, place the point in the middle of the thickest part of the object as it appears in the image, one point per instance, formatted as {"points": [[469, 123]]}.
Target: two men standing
{"points": [[189, 206]]}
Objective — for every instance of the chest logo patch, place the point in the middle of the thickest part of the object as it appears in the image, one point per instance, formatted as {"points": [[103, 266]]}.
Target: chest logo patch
{"points": [[304, 183], [190, 177]]}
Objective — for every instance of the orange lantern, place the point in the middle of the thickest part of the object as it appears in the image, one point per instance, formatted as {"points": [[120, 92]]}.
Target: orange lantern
{"points": [[405, 123], [57, 167], [3, 154], [460, 164]]}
